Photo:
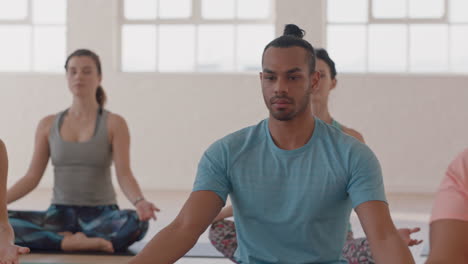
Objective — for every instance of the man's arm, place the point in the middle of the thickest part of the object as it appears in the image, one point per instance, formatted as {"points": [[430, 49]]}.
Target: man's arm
{"points": [[449, 241], [180, 236], [386, 244]]}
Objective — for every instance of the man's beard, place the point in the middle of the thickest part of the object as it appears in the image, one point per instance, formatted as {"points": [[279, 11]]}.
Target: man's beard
{"points": [[283, 115]]}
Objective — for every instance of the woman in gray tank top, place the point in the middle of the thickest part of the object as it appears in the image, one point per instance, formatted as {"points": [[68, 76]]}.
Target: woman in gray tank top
{"points": [[82, 142]]}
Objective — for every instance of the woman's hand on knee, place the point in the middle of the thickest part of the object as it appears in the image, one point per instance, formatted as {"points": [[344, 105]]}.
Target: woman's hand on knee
{"points": [[146, 210]]}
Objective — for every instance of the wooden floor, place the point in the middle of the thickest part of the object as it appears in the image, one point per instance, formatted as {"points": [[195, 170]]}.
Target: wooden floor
{"points": [[407, 210]]}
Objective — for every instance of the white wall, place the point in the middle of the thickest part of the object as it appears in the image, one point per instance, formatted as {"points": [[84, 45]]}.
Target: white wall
{"points": [[415, 124]]}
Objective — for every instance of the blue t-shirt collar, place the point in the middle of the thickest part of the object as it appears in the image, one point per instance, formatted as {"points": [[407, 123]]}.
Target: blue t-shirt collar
{"points": [[297, 151]]}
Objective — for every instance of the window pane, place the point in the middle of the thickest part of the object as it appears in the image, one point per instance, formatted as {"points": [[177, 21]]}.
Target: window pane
{"points": [[15, 52], [13, 9], [251, 40], [387, 48], [426, 8], [350, 55], [218, 9], [253, 9], [169, 9], [389, 9], [49, 48], [216, 48], [458, 10], [49, 11], [347, 10], [140, 9], [138, 48], [428, 48], [458, 48], [176, 48]]}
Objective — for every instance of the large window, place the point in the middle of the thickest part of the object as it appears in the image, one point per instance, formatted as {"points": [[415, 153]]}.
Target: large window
{"points": [[194, 35], [415, 36], [32, 35]]}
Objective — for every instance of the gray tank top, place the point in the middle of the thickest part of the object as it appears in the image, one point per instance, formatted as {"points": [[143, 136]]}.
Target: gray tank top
{"points": [[82, 169]]}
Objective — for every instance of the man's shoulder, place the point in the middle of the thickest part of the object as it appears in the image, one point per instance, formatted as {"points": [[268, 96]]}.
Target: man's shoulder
{"points": [[231, 146], [242, 136]]}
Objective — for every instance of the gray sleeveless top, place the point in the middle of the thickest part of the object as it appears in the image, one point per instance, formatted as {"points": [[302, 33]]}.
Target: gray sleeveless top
{"points": [[82, 169]]}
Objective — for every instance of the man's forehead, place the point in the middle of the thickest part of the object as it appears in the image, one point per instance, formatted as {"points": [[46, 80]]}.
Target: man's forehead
{"points": [[283, 70]]}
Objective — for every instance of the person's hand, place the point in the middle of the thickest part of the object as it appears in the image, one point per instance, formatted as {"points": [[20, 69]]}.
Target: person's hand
{"points": [[405, 234], [9, 253], [145, 210]]}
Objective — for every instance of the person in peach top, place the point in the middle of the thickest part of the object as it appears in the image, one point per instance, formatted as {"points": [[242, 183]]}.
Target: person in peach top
{"points": [[449, 219]]}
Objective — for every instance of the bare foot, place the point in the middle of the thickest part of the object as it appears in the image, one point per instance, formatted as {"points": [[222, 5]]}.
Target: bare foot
{"points": [[80, 242]]}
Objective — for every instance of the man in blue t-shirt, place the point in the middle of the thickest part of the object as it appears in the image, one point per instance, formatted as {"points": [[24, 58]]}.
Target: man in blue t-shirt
{"points": [[292, 179]]}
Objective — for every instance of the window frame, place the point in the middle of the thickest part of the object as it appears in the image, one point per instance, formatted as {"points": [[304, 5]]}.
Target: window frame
{"points": [[28, 21], [406, 21], [195, 20]]}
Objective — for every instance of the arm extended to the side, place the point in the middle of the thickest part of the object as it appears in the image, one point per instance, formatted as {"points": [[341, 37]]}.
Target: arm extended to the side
{"points": [[180, 236], [387, 246]]}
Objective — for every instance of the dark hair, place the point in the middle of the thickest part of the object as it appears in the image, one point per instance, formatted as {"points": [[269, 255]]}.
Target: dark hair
{"points": [[323, 55], [100, 94], [293, 37]]}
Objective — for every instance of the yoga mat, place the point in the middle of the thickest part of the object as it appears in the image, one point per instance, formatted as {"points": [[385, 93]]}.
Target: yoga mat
{"points": [[43, 263], [425, 249], [200, 250], [204, 250], [125, 253]]}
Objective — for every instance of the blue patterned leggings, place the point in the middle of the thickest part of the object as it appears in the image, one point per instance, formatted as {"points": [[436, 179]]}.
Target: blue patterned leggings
{"points": [[40, 229]]}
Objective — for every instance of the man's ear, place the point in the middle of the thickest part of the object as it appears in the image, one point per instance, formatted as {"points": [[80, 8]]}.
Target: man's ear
{"points": [[314, 81]]}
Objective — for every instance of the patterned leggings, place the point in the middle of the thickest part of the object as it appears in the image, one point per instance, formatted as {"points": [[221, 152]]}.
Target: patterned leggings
{"points": [[222, 235], [39, 230]]}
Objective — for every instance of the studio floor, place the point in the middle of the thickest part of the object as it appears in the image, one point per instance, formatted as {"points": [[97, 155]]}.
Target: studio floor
{"points": [[408, 210]]}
